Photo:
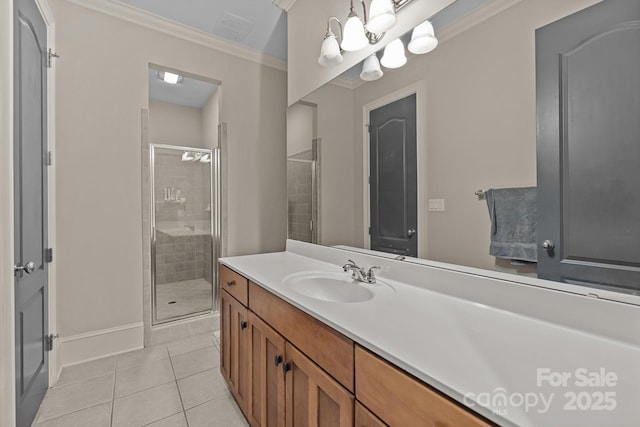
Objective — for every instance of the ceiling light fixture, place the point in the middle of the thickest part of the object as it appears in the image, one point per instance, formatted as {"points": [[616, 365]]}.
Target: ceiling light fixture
{"points": [[168, 77]]}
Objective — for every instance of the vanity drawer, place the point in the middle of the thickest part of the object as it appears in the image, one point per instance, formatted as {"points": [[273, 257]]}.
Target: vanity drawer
{"points": [[331, 350], [235, 284], [400, 400]]}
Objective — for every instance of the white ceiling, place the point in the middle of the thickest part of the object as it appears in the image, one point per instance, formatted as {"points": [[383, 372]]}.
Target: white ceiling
{"points": [[259, 24], [256, 24]]}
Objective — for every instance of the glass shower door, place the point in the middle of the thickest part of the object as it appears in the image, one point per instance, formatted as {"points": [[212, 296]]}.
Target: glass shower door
{"points": [[182, 247]]}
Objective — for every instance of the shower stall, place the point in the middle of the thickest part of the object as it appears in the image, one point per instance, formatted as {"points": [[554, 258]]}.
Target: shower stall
{"points": [[184, 231]]}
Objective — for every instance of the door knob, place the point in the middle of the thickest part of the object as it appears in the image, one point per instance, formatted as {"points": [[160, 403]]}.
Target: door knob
{"points": [[548, 245], [411, 232], [28, 268]]}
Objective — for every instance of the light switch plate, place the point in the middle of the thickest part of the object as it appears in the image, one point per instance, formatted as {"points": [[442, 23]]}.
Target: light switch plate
{"points": [[436, 205]]}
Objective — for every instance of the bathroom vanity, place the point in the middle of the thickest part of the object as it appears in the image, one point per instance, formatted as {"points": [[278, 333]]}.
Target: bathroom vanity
{"points": [[427, 344]]}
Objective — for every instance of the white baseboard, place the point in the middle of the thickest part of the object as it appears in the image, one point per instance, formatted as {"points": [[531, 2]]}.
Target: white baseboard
{"points": [[97, 344]]}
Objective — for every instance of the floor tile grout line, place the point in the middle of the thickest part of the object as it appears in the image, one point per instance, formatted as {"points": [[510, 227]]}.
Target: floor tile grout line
{"points": [[178, 387], [38, 421], [48, 397]]}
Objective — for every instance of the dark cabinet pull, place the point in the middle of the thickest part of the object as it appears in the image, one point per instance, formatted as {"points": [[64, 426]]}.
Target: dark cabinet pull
{"points": [[286, 366], [231, 282], [277, 360], [243, 324]]}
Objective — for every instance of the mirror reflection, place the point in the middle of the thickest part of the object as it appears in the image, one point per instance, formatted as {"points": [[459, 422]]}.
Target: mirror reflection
{"points": [[412, 154]]}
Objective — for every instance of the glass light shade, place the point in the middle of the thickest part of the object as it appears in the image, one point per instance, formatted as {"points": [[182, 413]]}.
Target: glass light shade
{"points": [[330, 52], [382, 16], [394, 56], [354, 37], [371, 69], [423, 39]]}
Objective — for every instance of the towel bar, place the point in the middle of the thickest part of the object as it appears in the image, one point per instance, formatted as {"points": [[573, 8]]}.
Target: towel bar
{"points": [[480, 194]]}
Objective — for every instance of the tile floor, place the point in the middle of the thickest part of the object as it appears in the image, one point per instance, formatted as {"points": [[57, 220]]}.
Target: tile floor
{"points": [[181, 298], [173, 385]]}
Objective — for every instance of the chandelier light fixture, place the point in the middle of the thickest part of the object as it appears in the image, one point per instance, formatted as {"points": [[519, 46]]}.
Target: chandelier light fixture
{"points": [[359, 33]]}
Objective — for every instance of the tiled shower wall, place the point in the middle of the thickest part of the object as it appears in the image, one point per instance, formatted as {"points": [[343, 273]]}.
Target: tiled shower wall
{"points": [[181, 258], [300, 194], [193, 179]]}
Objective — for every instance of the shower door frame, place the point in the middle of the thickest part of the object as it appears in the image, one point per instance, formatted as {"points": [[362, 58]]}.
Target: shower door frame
{"points": [[215, 228]]}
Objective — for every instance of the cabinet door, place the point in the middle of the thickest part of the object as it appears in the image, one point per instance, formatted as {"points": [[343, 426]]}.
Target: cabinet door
{"points": [[364, 418], [313, 398], [266, 396], [400, 400], [234, 346]]}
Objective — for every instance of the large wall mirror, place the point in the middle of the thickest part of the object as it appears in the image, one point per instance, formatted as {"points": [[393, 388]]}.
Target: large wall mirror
{"points": [[475, 109]]}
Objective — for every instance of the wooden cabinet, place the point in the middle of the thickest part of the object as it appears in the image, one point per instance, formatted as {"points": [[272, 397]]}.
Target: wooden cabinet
{"points": [[235, 284], [234, 344], [364, 418], [325, 346], [400, 400], [286, 368], [314, 399], [266, 378]]}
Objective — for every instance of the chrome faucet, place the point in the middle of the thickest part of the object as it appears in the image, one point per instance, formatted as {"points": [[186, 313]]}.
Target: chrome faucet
{"points": [[359, 273]]}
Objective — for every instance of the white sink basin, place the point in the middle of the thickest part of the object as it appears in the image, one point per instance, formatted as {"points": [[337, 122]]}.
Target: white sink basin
{"points": [[333, 287]]}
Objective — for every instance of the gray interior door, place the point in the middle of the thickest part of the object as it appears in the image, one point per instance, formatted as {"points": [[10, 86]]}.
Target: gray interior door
{"points": [[588, 102], [30, 185], [393, 180]]}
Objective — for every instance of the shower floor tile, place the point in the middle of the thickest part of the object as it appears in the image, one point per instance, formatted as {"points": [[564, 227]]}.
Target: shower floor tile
{"points": [[201, 399], [176, 299]]}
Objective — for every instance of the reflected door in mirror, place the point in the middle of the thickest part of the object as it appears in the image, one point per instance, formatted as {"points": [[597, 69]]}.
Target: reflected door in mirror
{"points": [[393, 178]]}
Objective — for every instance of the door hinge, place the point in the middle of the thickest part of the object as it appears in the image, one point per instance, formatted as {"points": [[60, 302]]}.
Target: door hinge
{"points": [[50, 339], [49, 158], [369, 230], [48, 255], [51, 54], [368, 127]]}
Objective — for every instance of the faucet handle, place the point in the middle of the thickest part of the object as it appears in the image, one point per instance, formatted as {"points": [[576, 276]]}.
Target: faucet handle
{"points": [[350, 264], [371, 277]]}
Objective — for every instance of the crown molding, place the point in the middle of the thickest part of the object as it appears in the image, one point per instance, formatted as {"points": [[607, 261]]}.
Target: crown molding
{"points": [[154, 22], [284, 4], [474, 18], [347, 82]]}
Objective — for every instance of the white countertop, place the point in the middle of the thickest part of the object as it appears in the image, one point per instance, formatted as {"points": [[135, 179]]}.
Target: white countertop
{"points": [[478, 339]]}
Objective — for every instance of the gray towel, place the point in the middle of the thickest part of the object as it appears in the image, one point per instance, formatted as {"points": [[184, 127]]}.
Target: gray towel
{"points": [[513, 223]]}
